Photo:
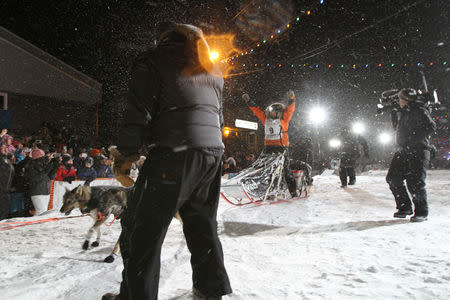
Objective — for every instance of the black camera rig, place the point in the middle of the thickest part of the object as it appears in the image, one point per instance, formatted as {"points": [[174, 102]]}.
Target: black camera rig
{"points": [[389, 99]]}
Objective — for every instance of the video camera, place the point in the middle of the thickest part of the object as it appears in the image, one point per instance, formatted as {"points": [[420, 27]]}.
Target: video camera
{"points": [[389, 99]]}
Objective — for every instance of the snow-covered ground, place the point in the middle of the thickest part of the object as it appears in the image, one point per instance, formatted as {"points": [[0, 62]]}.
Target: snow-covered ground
{"points": [[336, 244]]}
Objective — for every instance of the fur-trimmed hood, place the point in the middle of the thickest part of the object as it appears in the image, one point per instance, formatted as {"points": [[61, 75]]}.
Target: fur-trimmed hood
{"points": [[188, 45]]}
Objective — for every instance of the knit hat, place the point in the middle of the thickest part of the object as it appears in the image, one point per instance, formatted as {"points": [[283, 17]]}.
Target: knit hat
{"points": [[66, 158], [408, 94], [95, 152], [37, 153], [89, 160], [230, 160], [6, 137]]}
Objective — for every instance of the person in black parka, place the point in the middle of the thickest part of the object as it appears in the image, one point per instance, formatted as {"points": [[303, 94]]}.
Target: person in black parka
{"points": [[19, 189], [87, 172], [175, 101], [349, 153], [39, 173], [413, 124], [6, 178]]}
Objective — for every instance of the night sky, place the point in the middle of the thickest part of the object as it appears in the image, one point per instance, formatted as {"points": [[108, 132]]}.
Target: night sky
{"points": [[101, 38]]}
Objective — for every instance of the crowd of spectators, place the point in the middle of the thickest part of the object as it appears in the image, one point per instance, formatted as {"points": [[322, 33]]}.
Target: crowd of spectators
{"points": [[49, 154]]}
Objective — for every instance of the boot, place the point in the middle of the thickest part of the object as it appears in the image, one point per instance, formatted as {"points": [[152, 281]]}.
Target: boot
{"points": [[402, 213], [197, 295], [111, 296], [351, 182], [417, 219]]}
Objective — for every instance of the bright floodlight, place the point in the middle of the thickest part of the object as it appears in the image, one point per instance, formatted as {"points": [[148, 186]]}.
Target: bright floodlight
{"points": [[358, 128], [317, 115], [334, 143], [385, 138], [213, 55]]}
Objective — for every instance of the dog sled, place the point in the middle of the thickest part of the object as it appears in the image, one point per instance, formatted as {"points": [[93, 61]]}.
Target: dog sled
{"points": [[263, 183]]}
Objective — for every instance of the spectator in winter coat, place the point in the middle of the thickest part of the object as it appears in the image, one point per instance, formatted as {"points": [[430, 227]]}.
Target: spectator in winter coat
{"points": [[176, 86], [3, 132], [7, 140], [98, 157], [413, 124], [19, 188], [103, 170], [87, 173], [19, 154], [229, 166], [249, 159], [79, 161], [66, 171], [39, 173], [140, 162], [44, 136], [6, 178], [134, 172]]}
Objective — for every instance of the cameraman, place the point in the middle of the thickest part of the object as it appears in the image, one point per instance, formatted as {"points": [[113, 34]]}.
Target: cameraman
{"points": [[413, 124]]}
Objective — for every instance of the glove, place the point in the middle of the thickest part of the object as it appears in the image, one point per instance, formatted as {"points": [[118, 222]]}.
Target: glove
{"points": [[122, 166], [69, 179], [291, 94], [246, 97]]}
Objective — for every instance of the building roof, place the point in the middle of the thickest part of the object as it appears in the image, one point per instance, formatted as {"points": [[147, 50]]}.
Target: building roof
{"points": [[28, 70]]}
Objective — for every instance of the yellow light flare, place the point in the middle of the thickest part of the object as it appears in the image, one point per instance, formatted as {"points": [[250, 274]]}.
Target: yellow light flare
{"points": [[213, 55], [223, 45], [226, 132]]}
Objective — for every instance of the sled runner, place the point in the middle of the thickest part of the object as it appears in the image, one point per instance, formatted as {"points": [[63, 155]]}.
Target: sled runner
{"points": [[262, 183]]}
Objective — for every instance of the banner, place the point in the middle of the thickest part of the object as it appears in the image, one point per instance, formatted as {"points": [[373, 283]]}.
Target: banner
{"points": [[58, 188], [5, 119]]}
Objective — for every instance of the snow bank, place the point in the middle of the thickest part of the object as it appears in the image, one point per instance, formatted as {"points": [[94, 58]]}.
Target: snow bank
{"points": [[336, 244]]}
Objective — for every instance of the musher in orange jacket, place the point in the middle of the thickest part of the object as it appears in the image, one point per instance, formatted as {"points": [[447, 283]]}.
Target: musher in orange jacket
{"points": [[276, 118]]}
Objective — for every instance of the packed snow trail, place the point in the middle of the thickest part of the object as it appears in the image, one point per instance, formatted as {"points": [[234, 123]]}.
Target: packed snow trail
{"points": [[335, 244]]}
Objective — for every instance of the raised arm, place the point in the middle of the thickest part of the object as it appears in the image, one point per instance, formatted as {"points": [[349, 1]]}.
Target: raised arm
{"points": [[289, 111], [258, 112]]}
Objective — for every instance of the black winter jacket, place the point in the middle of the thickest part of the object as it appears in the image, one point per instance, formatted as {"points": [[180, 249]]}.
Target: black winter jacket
{"points": [[20, 183], [170, 107], [350, 148], [413, 125], [6, 174], [39, 174]]}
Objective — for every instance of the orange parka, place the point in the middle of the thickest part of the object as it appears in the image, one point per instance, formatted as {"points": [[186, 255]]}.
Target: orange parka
{"points": [[276, 130]]}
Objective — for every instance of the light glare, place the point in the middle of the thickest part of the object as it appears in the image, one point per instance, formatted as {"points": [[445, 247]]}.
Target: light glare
{"points": [[334, 143], [214, 55], [317, 115], [385, 138], [358, 128]]}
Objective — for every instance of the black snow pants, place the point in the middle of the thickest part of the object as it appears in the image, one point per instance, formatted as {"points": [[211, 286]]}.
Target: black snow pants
{"points": [[4, 205], [410, 165], [288, 176], [188, 182], [347, 171]]}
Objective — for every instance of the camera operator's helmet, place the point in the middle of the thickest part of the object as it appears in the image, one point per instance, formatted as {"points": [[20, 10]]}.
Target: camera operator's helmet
{"points": [[275, 107], [408, 94]]}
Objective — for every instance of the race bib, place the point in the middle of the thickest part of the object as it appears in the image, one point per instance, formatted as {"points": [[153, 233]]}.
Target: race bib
{"points": [[273, 129]]}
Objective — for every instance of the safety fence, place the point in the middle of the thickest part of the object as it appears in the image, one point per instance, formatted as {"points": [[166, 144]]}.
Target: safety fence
{"points": [[58, 188]]}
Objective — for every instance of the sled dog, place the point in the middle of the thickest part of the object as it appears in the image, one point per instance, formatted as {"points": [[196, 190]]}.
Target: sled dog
{"points": [[100, 202]]}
